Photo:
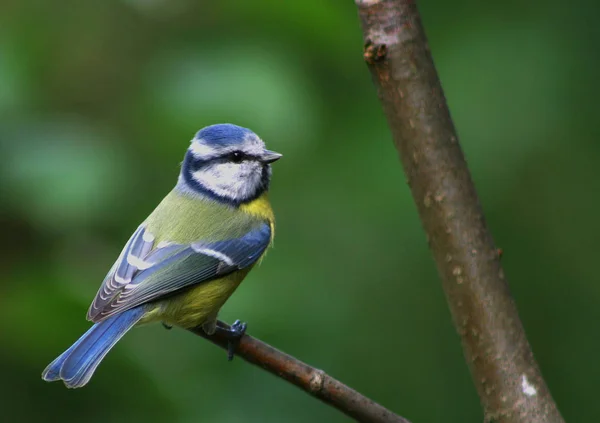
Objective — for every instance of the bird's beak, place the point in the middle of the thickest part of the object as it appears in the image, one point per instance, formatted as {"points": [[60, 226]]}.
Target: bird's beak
{"points": [[269, 156]]}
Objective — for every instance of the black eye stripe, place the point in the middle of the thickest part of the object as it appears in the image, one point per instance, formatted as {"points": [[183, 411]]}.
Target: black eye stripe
{"points": [[239, 156], [195, 163], [236, 156]]}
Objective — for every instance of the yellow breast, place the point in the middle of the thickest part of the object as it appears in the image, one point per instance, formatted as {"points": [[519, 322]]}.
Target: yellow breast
{"points": [[261, 208], [200, 303]]}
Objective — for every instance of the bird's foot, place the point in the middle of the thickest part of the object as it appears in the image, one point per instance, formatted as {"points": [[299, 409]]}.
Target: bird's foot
{"points": [[233, 334], [166, 326]]}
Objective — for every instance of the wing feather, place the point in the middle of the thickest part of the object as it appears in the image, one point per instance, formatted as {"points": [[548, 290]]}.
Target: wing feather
{"points": [[122, 271], [146, 274]]}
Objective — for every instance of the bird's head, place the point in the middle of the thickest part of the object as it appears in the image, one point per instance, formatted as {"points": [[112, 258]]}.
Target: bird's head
{"points": [[227, 163]]}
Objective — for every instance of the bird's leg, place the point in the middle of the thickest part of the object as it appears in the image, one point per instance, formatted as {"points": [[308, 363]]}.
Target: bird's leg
{"points": [[233, 335], [210, 326], [166, 326]]}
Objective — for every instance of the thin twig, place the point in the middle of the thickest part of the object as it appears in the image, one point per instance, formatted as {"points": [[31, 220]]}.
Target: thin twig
{"points": [[313, 381], [508, 380]]}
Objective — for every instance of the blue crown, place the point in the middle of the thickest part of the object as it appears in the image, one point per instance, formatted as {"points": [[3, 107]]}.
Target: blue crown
{"points": [[223, 134]]}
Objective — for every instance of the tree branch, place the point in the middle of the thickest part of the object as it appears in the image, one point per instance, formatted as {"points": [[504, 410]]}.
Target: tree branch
{"points": [[311, 380], [508, 380]]}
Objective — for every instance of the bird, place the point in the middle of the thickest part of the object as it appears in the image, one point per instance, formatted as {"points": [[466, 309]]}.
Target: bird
{"points": [[186, 259]]}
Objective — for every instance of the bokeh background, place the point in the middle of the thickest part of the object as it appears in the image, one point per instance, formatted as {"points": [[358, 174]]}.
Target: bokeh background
{"points": [[97, 103]]}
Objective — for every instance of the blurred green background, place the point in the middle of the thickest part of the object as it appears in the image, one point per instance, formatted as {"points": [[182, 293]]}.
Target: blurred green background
{"points": [[98, 101]]}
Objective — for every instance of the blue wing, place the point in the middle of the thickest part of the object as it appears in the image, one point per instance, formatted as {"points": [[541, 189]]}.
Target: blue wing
{"points": [[143, 273], [121, 274]]}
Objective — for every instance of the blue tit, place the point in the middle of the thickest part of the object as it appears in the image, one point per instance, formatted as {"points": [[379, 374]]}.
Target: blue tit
{"points": [[185, 260]]}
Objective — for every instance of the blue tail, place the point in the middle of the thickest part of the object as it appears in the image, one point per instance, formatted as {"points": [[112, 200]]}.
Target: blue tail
{"points": [[77, 364]]}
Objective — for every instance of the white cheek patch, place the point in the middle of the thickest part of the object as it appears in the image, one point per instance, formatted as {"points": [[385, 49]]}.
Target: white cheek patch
{"points": [[236, 181]]}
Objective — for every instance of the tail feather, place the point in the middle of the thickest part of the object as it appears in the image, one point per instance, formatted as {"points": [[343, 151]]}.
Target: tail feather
{"points": [[52, 372], [77, 364]]}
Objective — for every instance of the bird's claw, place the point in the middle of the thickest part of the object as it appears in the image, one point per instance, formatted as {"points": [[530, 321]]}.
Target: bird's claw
{"points": [[233, 334]]}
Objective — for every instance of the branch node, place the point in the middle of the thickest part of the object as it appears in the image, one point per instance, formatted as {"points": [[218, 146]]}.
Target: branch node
{"points": [[374, 52], [317, 381]]}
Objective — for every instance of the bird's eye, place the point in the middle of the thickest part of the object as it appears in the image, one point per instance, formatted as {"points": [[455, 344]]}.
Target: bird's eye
{"points": [[236, 157]]}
